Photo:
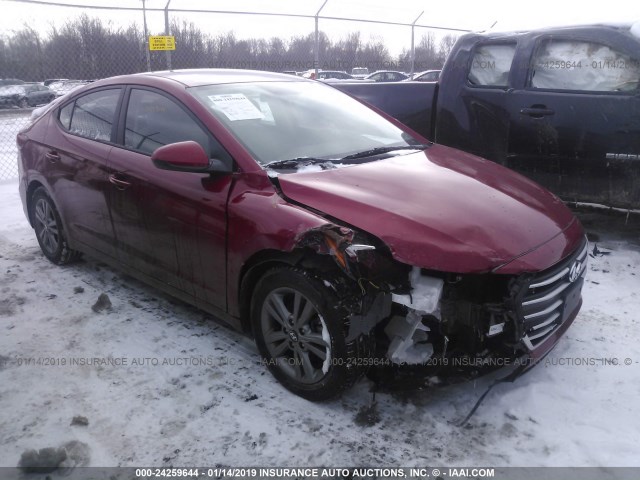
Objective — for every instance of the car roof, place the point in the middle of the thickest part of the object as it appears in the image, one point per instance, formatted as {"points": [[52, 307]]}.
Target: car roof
{"points": [[498, 34], [12, 87], [198, 77]]}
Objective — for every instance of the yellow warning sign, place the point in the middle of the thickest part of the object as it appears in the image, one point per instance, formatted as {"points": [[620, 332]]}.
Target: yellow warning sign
{"points": [[162, 42]]}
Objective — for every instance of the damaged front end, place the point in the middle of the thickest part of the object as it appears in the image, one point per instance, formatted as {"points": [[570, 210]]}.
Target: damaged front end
{"points": [[446, 328], [436, 328]]}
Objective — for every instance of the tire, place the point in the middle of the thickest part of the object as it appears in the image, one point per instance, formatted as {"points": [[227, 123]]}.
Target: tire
{"points": [[23, 103], [49, 229], [310, 356]]}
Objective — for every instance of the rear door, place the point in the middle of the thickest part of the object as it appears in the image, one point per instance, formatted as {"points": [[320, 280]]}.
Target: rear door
{"points": [[79, 145], [575, 118], [170, 226], [474, 117]]}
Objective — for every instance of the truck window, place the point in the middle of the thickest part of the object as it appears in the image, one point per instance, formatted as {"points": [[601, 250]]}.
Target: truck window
{"points": [[583, 65], [491, 65]]}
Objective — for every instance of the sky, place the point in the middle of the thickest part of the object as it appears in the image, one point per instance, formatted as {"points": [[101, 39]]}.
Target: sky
{"points": [[469, 15]]}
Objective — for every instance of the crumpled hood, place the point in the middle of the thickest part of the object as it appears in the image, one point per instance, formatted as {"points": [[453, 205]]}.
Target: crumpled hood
{"points": [[446, 210]]}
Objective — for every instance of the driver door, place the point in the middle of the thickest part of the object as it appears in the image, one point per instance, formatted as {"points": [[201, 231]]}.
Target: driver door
{"points": [[169, 226]]}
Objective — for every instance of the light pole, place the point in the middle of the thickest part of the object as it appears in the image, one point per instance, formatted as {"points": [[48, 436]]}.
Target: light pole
{"points": [[166, 32], [413, 48], [316, 53], [146, 36]]}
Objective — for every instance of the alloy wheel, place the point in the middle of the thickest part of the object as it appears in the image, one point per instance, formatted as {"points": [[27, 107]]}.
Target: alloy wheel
{"points": [[296, 335], [46, 226]]}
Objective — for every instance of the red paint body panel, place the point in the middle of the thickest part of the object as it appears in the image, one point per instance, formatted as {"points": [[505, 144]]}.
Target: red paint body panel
{"points": [[444, 210], [171, 225], [187, 154], [260, 220]]}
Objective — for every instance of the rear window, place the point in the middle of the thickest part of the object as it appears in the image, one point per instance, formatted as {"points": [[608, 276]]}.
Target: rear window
{"points": [[491, 65], [65, 115], [92, 115], [583, 65]]}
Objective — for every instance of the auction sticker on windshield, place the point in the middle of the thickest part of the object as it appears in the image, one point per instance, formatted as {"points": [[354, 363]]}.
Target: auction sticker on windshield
{"points": [[236, 106]]}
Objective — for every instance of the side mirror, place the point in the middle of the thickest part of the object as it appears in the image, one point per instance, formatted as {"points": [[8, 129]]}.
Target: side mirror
{"points": [[187, 156]]}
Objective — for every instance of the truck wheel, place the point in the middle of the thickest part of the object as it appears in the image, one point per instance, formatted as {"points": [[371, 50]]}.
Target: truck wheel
{"points": [[300, 330], [49, 230]]}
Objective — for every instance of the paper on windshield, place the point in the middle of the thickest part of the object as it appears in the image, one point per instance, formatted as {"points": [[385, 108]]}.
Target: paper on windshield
{"points": [[236, 106]]}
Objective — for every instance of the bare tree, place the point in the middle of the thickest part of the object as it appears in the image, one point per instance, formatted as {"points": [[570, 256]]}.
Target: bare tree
{"points": [[23, 55], [88, 48], [446, 45]]}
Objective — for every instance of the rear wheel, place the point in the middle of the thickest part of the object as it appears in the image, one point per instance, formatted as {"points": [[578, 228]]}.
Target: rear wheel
{"points": [[49, 230], [300, 330]]}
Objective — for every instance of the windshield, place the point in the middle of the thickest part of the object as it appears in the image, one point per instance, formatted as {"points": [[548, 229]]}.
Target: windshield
{"points": [[279, 121]]}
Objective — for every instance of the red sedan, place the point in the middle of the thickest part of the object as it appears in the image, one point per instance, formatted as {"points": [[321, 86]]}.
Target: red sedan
{"points": [[337, 237]]}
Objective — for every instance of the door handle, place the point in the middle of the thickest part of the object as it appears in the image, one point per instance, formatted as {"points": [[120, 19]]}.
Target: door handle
{"points": [[52, 156], [120, 184], [537, 112]]}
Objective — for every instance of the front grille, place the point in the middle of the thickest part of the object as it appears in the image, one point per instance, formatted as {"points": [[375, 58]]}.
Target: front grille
{"points": [[548, 297]]}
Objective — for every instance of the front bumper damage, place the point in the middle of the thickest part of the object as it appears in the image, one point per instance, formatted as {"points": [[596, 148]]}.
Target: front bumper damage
{"points": [[479, 324], [435, 328]]}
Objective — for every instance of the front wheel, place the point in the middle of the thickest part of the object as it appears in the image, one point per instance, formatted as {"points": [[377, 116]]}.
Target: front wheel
{"points": [[49, 229], [300, 330]]}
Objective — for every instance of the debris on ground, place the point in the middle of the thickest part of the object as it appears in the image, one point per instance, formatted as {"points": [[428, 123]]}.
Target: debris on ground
{"points": [[103, 303], [80, 420]]}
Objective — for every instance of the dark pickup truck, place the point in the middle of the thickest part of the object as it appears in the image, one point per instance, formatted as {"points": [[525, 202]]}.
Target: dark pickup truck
{"points": [[561, 106]]}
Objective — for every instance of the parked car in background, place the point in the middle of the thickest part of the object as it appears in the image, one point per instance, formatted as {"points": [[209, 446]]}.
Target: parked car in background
{"points": [[63, 87], [359, 72], [387, 76], [9, 95], [11, 81], [27, 95], [223, 188], [49, 81], [428, 76], [327, 75]]}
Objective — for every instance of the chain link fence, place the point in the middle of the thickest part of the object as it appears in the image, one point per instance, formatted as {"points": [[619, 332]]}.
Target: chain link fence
{"points": [[10, 124], [37, 66]]}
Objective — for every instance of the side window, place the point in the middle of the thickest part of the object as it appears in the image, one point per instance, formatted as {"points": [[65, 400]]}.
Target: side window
{"points": [[582, 65], [65, 115], [153, 120], [92, 115], [491, 65]]}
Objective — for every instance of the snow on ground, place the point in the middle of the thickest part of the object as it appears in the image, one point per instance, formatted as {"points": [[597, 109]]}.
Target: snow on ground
{"points": [[231, 411]]}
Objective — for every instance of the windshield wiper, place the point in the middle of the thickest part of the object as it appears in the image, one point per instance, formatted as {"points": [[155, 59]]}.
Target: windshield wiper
{"points": [[298, 162], [382, 150]]}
